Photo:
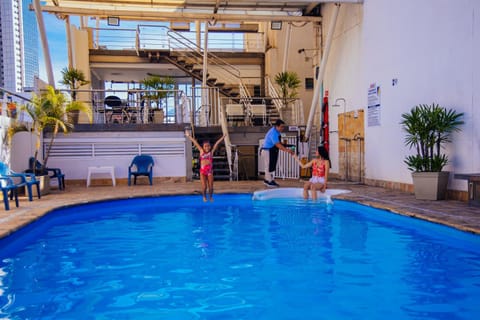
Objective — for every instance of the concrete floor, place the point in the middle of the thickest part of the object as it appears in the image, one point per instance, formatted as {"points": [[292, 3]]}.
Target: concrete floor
{"points": [[452, 213]]}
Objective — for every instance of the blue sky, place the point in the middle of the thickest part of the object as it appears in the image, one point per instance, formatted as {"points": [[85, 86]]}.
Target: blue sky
{"points": [[57, 46]]}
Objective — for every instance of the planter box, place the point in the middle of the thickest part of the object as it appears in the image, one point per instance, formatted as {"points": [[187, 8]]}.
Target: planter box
{"points": [[430, 185], [158, 116]]}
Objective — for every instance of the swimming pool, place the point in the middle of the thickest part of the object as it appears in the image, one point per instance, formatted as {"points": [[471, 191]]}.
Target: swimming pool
{"points": [[176, 257]]}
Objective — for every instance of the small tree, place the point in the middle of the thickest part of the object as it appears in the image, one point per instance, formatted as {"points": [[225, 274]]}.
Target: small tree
{"points": [[158, 87], [288, 82], [50, 109]]}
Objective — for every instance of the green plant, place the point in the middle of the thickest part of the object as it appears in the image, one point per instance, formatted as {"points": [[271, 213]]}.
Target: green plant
{"points": [[158, 87], [74, 79], [428, 128], [288, 82], [51, 110]]}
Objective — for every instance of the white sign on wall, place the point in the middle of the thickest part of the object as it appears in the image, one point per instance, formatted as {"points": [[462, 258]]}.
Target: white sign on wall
{"points": [[373, 105]]}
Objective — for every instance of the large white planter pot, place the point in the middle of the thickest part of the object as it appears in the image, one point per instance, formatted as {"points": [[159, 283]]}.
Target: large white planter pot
{"points": [[44, 185], [430, 185]]}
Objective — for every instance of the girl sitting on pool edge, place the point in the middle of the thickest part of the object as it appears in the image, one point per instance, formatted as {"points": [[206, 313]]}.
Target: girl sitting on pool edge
{"points": [[320, 168], [206, 164]]}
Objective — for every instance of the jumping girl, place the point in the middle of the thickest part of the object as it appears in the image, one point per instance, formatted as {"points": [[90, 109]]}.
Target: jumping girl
{"points": [[206, 164]]}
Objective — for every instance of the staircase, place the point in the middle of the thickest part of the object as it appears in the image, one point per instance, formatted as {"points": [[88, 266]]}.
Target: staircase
{"points": [[188, 57]]}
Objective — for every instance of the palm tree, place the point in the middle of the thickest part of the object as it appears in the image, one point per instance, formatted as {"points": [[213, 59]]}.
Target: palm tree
{"points": [[289, 82], [158, 87], [74, 79], [51, 109]]}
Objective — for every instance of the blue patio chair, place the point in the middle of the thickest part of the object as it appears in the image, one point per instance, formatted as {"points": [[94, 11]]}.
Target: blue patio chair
{"points": [[54, 173], [27, 178], [142, 165], [9, 188]]}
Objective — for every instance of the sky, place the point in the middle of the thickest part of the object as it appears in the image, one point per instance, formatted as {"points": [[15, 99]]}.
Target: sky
{"points": [[57, 44]]}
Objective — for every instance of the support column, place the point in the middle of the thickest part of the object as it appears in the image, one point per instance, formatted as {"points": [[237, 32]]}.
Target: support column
{"points": [[198, 34], [286, 47], [69, 41], [43, 39], [321, 73]]}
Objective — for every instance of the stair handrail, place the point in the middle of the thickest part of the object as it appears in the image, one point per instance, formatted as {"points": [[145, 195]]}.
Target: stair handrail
{"points": [[273, 93], [245, 98], [228, 143], [225, 70], [299, 113], [212, 57]]}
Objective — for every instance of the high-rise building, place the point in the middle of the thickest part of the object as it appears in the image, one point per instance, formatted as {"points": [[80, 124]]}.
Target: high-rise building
{"points": [[19, 45]]}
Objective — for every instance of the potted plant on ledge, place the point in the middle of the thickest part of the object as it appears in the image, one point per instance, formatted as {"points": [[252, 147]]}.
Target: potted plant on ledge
{"points": [[429, 128]]}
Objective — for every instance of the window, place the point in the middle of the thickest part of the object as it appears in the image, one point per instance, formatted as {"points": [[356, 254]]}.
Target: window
{"points": [[308, 83]]}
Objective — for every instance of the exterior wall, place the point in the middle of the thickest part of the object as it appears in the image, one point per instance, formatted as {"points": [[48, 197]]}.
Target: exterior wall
{"points": [[431, 49], [75, 152], [19, 46], [302, 63], [30, 45], [11, 45], [80, 57], [343, 76]]}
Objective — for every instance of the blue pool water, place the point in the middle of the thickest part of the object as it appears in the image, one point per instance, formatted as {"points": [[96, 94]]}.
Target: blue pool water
{"points": [[179, 258]]}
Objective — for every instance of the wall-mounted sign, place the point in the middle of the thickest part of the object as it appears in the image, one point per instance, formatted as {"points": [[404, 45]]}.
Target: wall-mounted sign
{"points": [[373, 105]]}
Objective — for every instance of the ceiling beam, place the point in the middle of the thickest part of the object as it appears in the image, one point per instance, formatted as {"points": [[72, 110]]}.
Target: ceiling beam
{"points": [[177, 15]]}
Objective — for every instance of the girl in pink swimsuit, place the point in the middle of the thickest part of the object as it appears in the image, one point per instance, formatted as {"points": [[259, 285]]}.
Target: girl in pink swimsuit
{"points": [[320, 167], [206, 164]]}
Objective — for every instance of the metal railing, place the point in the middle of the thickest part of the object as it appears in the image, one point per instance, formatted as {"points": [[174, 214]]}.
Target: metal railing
{"points": [[154, 37]]}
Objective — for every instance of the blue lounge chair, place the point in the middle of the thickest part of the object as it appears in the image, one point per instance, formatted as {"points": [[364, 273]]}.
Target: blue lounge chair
{"points": [[142, 165], [9, 188], [54, 173], [28, 179]]}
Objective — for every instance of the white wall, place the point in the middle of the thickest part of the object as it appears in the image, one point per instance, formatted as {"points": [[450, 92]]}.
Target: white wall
{"points": [[433, 48], [344, 71], [301, 37], [75, 152]]}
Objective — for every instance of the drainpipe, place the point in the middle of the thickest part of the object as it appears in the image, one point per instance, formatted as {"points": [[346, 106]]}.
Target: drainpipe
{"points": [[323, 64], [43, 39]]}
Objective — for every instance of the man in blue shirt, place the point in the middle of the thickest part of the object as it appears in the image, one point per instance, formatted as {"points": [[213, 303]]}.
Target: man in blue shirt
{"points": [[269, 153]]}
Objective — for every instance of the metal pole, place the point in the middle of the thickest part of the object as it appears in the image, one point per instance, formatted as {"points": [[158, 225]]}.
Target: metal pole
{"points": [[204, 76], [321, 72], [43, 39]]}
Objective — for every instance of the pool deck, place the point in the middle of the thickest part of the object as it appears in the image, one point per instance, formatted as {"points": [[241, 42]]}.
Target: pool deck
{"points": [[452, 213]]}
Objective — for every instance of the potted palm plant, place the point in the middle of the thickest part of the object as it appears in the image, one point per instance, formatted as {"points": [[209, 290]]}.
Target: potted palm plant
{"points": [[74, 79], [158, 88], [289, 82], [428, 128], [50, 110]]}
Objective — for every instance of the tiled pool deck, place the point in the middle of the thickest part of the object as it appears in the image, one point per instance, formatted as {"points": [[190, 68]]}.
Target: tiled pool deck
{"points": [[453, 213]]}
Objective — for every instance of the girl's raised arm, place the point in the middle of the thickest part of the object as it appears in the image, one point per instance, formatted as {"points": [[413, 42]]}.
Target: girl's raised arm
{"points": [[215, 146], [195, 142]]}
